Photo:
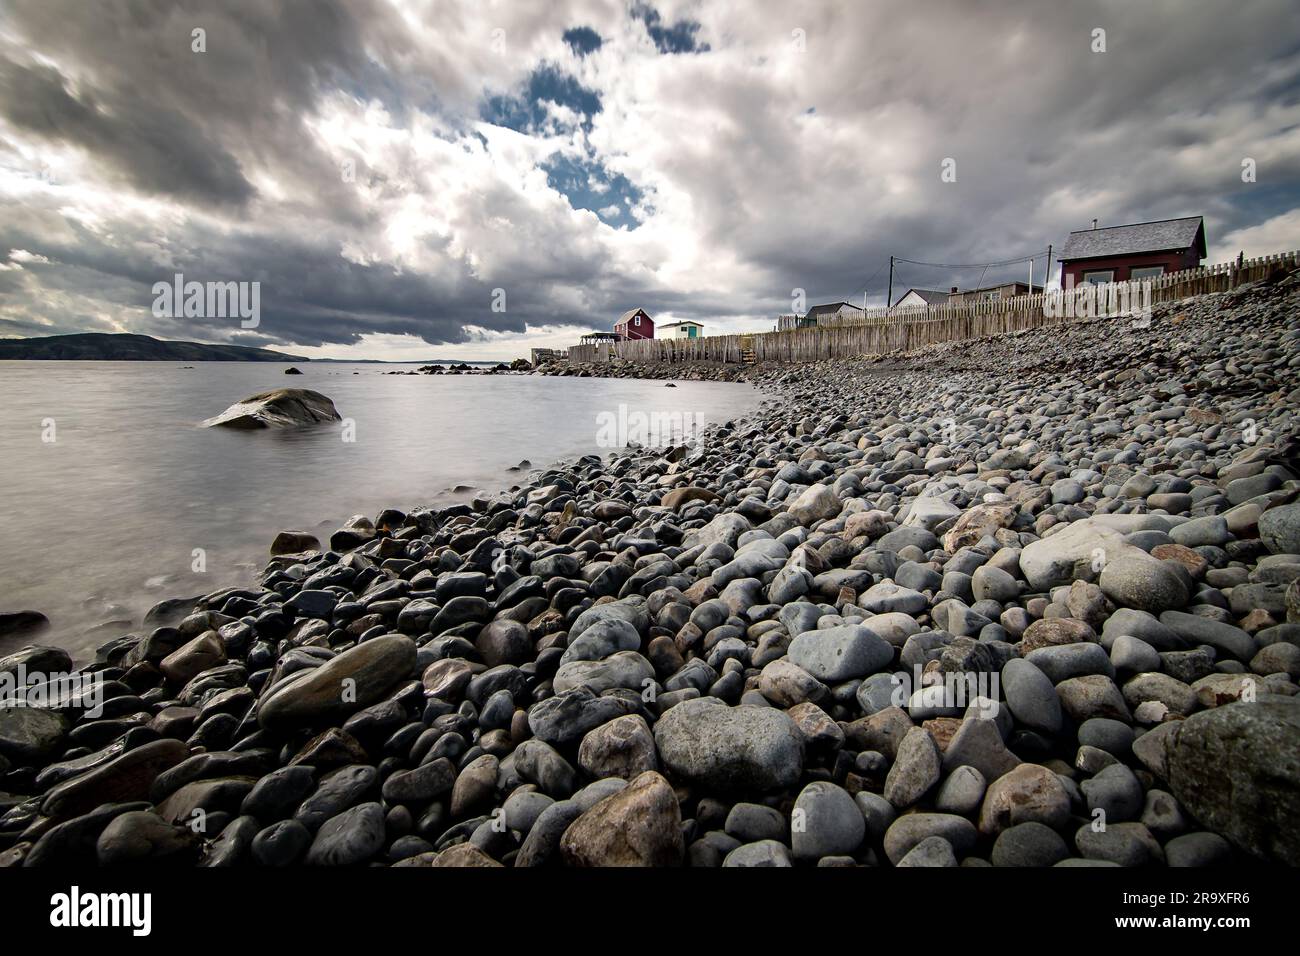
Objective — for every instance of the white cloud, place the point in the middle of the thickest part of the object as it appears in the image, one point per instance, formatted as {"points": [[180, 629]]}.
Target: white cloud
{"points": [[22, 255], [1281, 233]]}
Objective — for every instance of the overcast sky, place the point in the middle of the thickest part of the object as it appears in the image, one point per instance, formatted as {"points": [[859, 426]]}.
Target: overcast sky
{"points": [[381, 168]]}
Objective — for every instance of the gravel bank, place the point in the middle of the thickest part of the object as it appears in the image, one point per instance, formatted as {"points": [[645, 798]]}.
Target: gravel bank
{"points": [[1020, 601]]}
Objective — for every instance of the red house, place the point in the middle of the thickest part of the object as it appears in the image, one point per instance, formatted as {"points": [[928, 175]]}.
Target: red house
{"points": [[635, 325], [1141, 250]]}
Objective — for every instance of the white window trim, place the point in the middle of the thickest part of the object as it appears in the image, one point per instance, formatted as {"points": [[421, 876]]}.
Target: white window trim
{"points": [[1147, 270]]}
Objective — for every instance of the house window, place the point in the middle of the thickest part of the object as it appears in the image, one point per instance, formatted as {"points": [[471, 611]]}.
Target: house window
{"points": [[636, 320], [1099, 277], [1146, 272], [993, 296]]}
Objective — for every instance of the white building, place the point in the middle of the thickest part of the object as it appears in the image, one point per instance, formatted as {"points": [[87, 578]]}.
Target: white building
{"points": [[681, 330]]}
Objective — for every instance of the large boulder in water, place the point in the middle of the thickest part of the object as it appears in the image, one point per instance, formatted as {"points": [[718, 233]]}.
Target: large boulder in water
{"points": [[278, 408], [1236, 769], [22, 623]]}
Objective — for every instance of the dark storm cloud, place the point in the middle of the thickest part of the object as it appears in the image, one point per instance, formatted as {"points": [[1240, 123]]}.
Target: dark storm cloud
{"points": [[309, 296], [1154, 127], [130, 89], [157, 115], [160, 152]]}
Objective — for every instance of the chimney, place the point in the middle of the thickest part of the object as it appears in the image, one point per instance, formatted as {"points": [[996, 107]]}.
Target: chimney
{"points": [[952, 291], [1094, 224]]}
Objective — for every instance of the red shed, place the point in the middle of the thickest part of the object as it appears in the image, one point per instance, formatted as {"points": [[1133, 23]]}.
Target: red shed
{"points": [[635, 325], [1141, 250]]}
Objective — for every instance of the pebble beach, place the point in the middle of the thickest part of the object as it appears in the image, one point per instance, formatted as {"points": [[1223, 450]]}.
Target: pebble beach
{"points": [[1031, 600]]}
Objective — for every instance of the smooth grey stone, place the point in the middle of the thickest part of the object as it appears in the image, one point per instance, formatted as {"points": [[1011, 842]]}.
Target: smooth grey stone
{"points": [[878, 813], [836, 654], [543, 840], [352, 837], [1198, 849], [1031, 696], [825, 822], [962, 792], [730, 748], [281, 844], [752, 822], [1029, 844], [762, 853], [933, 851], [1116, 791], [1236, 770]]}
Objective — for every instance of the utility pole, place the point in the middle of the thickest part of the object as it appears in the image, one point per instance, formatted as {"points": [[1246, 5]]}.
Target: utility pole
{"points": [[889, 296], [1047, 276]]}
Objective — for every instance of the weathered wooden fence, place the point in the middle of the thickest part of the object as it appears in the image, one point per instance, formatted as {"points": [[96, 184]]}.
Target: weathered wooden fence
{"points": [[881, 330], [587, 354]]}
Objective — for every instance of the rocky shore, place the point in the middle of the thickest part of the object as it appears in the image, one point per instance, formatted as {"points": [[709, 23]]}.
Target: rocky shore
{"points": [[693, 372], [1026, 601]]}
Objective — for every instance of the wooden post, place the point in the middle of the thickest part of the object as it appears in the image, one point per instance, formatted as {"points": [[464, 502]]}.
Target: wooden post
{"points": [[889, 296]]}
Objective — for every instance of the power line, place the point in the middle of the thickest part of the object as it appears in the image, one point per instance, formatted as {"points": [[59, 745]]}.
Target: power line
{"points": [[983, 266], [866, 285], [972, 265], [945, 265]]}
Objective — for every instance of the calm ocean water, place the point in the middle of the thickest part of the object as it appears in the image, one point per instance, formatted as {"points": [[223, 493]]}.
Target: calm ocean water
{"points": [[105, 520]]}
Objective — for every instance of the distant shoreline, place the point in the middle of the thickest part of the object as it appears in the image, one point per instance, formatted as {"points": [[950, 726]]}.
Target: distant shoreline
{"points": [[286, 361], [116, 347], [129, 347]]}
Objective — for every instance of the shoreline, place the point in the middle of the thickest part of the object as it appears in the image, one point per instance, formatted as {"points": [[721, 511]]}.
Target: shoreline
{"points": [[107, 587], [672, 657]]}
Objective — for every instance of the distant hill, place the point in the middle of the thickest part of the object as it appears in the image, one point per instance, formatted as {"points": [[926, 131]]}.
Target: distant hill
{"points": [[125, 347], [411, 361]]}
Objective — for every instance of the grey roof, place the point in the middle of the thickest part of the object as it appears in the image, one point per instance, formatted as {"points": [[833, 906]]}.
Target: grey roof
{"points": [[830, 308], [1000, 285], [931, 296], [627, 315], [669, 325], [1135, 238]]}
